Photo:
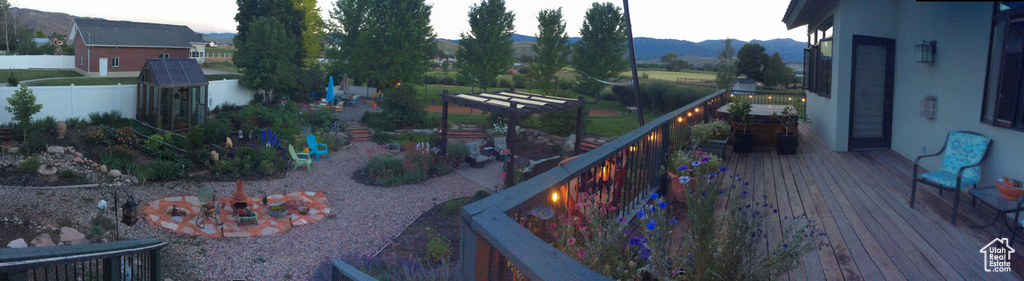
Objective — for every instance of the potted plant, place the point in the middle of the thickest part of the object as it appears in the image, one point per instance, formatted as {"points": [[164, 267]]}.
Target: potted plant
{"points": [[739, 114], [711, 137], [685, 165], [303, 210], [1009, 188], [277, 210], [786, 143]]}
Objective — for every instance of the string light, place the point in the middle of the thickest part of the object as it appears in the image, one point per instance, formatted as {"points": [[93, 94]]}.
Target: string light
{"points": [[696, 110], [680, 119], [554, 197]]}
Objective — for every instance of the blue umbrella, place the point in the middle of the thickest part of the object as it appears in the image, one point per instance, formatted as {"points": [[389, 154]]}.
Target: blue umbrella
{"points": [[330, 90]]}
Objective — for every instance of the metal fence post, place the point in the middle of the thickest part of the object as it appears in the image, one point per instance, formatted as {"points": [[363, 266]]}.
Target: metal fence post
{"points": [[154, 266]]}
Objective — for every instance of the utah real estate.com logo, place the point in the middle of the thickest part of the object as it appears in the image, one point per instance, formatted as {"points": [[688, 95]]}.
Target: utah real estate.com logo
{"points": [[997, 255]]}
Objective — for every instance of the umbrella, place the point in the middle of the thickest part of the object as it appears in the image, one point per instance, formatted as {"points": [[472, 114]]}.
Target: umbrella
{"points": [[330, 90]]}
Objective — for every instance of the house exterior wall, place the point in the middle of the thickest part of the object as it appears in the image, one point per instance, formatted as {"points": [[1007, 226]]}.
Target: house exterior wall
{"points": [[132, 59], [962, 32]]}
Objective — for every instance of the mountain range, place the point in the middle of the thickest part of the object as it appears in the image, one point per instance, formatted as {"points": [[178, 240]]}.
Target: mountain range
{"points": [[647, 49]]}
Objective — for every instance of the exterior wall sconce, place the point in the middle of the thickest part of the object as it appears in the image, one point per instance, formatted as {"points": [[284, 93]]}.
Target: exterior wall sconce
{"points": [[925, 52]]}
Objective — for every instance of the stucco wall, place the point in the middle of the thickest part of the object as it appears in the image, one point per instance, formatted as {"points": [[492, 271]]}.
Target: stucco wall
{"points": [[957, 78]]}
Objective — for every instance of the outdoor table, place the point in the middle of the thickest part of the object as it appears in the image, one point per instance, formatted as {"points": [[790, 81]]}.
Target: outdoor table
{"points": [[764, 126], [990, 196]]}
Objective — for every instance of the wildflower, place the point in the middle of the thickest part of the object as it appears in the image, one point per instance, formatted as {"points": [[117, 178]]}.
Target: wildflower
{"points": [[654, 195], [672, 221], [785, 245], [640, 214], [682, 167], [705, 159], [695, 163], [711, 175], [652, 224], [684, 179], [746, 183], [774, 211], [662, 205], [723, 169], [583, 229], [744, 192], [572, 240], [580, 254]]}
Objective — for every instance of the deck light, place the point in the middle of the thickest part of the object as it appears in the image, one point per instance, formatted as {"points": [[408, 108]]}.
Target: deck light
{"points": [[679, 119], [925, 52], [696, 110], [554, 197]]}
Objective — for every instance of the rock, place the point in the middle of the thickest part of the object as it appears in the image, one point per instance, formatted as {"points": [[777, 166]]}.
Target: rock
{"points": [[236, 234], [103, 169], [62, 129], [68, 234], [47, 170], [269, 231], [115, 173], [77, 160], [12, 149], [54, 149], [169, 225], [77, 154], [43, 240], [214, 156], [17, 243], [569, 144]]}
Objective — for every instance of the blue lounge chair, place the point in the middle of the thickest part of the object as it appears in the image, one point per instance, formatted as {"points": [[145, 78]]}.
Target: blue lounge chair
{"points": [[316, 149]]}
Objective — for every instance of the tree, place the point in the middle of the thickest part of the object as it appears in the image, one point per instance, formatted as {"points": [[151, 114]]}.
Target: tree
{"points": [[5, 7], [726, 76], [39, 34], [674, 63], [601, 51], [486, 50], [776, 72], [312, 30], [23, 105], [751, 61], [383, 43], [552, 49], [266, 55], [291, 22]]}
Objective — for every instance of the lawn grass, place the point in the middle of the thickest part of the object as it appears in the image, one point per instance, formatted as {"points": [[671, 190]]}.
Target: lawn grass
{"points": [[93, 81], [28, 74], [615, 126], [222, 66], [672, 75]]}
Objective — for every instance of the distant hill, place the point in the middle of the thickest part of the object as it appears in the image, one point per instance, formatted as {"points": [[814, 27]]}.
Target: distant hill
{"points": [[47, 22], [220, 38], [653, 49]]}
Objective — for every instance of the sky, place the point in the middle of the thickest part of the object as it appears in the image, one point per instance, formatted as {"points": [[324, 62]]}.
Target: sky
{"points": [[666, 19]]}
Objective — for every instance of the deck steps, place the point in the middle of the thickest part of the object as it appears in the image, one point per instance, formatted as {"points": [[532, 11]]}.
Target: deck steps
{"points": [[466, 134], [360, 132]]}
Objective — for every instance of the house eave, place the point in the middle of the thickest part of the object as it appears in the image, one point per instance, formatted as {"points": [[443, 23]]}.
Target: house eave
{"points": [[802, 12], [137, 46]]}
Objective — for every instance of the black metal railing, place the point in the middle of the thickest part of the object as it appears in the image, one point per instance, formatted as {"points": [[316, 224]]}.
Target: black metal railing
{"points": [[123, 260], [499, 240]]}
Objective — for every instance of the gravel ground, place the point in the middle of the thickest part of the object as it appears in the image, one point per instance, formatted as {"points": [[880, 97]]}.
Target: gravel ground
{"points": [[362, 221]]}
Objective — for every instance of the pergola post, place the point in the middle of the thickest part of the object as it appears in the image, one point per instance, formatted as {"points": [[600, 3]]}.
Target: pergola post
{"points": [[576, 150], [510, 141], [444, 124]]}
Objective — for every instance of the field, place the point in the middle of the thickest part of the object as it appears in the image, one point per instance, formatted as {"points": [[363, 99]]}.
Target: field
{"points": [[672, 75], [28, 74]]}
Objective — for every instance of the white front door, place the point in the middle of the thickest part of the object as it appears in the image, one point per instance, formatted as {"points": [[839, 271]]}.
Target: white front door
{"points": [[103, 66]]}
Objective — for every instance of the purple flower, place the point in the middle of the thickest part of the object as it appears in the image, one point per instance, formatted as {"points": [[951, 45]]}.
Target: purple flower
{"points": [[654, 195], [695, 163], [640, 214], [652, 224], [672, 221], [744, 192], [785, 245], [746, 183], [705, 159], [662, 205], [774, 211], [682, 167], [723, 169], [684, 179]]}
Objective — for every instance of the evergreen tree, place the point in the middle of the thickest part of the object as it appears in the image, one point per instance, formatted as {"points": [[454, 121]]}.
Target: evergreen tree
{"points": [[776, 73], [486, 50], [552, 49], [726, 76], [601, 51], [313, 26], [267, 58]]}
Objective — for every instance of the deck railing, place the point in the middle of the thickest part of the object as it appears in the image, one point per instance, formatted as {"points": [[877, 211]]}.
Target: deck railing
{"points": [[797, 100], [500, 239], [123, 260]]}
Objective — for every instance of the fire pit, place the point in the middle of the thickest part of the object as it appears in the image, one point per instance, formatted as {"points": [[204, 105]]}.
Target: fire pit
{"points": [[240, 203]]}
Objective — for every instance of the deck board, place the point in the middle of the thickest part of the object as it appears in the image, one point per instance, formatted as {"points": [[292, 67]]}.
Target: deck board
{"points": [[860, 199]]}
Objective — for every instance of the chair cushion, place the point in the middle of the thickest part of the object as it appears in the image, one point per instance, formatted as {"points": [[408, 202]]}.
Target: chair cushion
{"points": [[948, 179], [964, 149]]}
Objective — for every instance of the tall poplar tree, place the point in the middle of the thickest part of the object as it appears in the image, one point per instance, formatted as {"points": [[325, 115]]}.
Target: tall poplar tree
{"points": [[601, 51], [552, 49], [486, 50]]}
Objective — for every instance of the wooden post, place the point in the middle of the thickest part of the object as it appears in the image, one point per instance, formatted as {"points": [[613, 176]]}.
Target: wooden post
{"points": [[577, 149], [510, 142], [444, 123]]}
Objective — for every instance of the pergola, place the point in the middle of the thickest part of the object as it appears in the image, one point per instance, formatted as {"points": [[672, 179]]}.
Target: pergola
{"points": [[512, 105]]}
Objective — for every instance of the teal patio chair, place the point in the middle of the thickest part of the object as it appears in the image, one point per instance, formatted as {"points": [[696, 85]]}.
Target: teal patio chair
{"points": [[300, 159], [316, 149], [961, 165]]}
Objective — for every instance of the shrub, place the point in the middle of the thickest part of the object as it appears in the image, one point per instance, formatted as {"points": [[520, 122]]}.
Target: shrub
{"points": [[457, 150], [401, 107], [12, 80], [76, 123], [213, 132], [387, 267], [46, 125], [381, 137], [95, 232], [31, 164], [112, 118], [163, 170], [34, 143], [116, 159], [70, 175], [661, 95], [438, 249], [378, 121]]}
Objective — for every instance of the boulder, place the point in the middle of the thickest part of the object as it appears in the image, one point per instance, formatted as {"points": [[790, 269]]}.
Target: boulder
{"points": [[43, 240], [103, 169], [47, 170], [54, 149], [77, 154], [569, 144], [17, 243], [115, 173], [68, 234]]}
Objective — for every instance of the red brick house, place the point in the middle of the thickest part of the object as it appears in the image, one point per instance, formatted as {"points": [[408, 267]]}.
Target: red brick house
{"points": [[120, 48]]}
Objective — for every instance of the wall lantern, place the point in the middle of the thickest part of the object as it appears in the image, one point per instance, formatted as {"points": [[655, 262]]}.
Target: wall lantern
{"points": [[925, 52]]}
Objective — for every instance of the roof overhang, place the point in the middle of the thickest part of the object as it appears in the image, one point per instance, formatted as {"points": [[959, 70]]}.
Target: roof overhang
{"points": [[136, 46], [802, 12]]}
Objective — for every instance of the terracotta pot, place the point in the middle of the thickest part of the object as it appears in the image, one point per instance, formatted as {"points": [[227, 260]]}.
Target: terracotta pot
{"points": [[1012, 193], [678, 191], [305, 150]]}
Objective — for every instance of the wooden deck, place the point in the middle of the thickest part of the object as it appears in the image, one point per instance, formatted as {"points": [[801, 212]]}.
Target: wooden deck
{"points": [[861, 200]]}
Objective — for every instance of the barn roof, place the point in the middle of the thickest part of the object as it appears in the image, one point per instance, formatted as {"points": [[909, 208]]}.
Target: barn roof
{"points": [[133, 34], [173, 73]]}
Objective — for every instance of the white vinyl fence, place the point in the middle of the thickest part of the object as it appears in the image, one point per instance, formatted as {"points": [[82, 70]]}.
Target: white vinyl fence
{"points": [[41, 62], [63, 102]]}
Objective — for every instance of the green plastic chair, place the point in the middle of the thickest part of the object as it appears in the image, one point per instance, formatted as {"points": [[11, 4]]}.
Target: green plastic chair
{"points": [[315, 148], [299, 161]]}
